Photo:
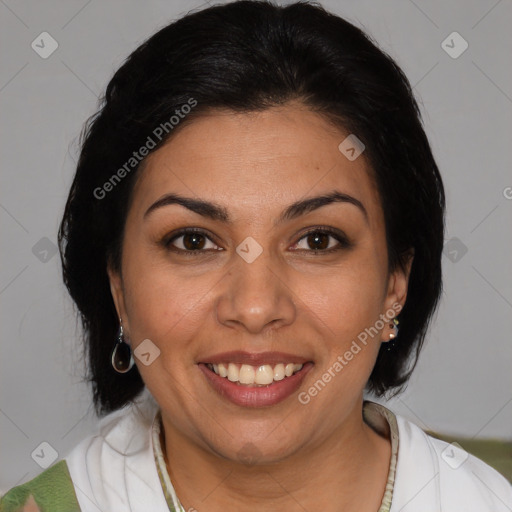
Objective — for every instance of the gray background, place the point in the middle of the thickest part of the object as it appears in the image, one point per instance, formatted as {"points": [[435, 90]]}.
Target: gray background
{"points": [[463, 384]]}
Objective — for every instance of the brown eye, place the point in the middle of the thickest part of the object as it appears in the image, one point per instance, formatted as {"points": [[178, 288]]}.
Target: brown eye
{"points": [[318, 241], [191, 241], [322, 241]]}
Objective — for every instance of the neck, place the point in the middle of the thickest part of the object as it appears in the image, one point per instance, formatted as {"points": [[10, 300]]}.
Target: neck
{"points": [[346, 471]]}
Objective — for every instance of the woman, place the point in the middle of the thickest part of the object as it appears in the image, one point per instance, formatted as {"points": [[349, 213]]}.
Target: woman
{"points": [[253, 239]]}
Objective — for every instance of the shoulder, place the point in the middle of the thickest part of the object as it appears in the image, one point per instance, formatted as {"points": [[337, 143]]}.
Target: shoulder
{"points": [[434, 475], [472, 477], [115, 469], [52, 490]]}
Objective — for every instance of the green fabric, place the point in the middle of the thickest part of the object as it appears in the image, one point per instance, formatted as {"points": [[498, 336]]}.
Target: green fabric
{"points": [[51, 491]]}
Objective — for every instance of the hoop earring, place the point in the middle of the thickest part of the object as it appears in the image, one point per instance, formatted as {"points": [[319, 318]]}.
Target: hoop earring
{"points": [[122, 357]]}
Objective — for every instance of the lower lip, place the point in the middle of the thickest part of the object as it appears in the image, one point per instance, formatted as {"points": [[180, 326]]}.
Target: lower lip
{"points": [[261, 396]]}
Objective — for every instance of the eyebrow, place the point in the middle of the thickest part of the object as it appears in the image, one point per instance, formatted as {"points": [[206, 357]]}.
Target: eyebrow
{"points": [[219, 213]]}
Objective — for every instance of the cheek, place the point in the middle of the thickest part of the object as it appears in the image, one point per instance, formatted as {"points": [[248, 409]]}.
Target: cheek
{"points": [[164, 307], [347, 300]]}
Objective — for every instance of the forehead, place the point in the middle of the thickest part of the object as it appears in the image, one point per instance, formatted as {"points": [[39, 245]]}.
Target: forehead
{"points": [[255, 162]]}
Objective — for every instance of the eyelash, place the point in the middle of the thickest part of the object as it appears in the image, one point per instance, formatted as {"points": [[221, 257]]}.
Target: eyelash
{"points": [[340, 237]]}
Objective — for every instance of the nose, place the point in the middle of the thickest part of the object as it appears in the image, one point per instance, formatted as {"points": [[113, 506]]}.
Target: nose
{"points": [[255, 297]]}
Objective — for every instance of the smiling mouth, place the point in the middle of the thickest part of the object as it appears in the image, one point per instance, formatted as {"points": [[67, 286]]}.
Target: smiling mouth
{"points": [[254, 376]]}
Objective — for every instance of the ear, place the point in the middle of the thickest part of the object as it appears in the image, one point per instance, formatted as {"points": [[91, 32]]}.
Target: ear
{"points": [[117, 291], [399, 281]]}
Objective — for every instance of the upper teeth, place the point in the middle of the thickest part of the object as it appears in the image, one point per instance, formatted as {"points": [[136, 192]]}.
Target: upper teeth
{"points": [[261, 375]]}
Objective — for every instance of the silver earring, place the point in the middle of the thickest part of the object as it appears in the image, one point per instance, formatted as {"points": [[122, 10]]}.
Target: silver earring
{"points": [[393, 325], [122, 357]]}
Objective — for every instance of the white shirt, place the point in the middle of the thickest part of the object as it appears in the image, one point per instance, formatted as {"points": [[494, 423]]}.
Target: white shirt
{"points": [[115, 470]]}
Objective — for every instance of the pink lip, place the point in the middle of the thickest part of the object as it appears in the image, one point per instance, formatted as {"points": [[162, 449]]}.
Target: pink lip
{"points": [[254, 359], [248, 396]]}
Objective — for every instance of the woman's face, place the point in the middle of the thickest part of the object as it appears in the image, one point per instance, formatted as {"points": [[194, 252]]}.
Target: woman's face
{"points": [[254, 244]]}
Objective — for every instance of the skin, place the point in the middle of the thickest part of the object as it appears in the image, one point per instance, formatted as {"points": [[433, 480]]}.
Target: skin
{"points": [[319, 456]]}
